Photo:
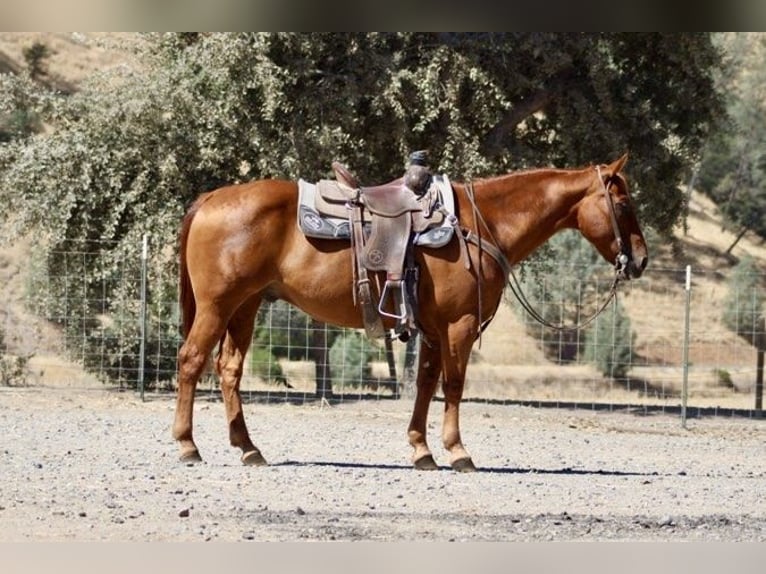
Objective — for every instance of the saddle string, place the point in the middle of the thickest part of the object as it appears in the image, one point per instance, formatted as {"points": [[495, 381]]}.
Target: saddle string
{"points": [[479, 271], [352, 239], [513, 281], [373, 324]]}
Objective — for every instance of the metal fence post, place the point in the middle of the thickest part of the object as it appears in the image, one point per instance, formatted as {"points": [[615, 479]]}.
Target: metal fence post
{"points": [[685, 387], [760, 343], [142, 325]]}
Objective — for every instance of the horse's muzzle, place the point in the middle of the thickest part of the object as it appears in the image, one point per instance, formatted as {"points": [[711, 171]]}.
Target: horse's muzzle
{"points": [[633, 268]]}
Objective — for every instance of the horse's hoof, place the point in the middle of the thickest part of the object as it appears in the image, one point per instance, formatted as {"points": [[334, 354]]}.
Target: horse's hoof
{"points": [[253, 458], [190, 456], [463, 465], [426, 463]]}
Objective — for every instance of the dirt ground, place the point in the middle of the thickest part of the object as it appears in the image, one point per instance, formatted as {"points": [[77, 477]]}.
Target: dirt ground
{"points": [[100, 465]]}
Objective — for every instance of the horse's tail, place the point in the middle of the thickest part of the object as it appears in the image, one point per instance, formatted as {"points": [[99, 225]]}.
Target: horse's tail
{"points": [[186, 301]]}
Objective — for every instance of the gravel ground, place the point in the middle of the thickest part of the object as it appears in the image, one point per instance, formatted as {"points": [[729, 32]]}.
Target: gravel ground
{"points": [[87, 465]]}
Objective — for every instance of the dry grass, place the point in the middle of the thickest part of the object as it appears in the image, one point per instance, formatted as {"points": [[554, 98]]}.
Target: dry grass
{"points": [[74, 55]]}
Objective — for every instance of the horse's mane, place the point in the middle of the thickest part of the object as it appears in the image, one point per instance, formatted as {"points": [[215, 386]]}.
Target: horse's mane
{"points": [[541, 172]]}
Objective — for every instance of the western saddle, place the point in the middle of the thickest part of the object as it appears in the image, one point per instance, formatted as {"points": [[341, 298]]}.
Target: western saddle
{"points": [[383, 222]]}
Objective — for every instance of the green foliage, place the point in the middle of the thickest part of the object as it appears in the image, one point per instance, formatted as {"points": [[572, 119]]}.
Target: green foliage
{"points": [[36, 57], [723, 378], [133, 146], [609, 343], [265, 365], [14, 370], [286, 331], [22, 102], [743, 304], [92, 291], [350, 357], [565, 287], [733, 169]]}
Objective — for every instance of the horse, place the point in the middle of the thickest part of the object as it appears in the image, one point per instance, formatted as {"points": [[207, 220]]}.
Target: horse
{"points": [[239, 245]]}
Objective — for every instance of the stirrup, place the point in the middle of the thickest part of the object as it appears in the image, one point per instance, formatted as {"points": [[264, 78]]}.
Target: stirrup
{"points": [[400, 300]]}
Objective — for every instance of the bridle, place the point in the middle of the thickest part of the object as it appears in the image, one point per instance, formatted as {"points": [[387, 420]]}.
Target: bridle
{"points": [[623, 257], [620, 264]]}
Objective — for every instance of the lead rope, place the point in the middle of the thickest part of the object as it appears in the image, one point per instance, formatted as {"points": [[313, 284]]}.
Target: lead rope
{"points": [[513, 281]]}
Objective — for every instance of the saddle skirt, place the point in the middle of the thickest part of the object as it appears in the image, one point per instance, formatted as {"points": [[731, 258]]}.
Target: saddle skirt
{"points": [[324, 210]]}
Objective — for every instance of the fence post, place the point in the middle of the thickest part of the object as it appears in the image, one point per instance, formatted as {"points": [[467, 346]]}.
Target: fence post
{"points": [[142, 325], [760, 343], [685, 386]]}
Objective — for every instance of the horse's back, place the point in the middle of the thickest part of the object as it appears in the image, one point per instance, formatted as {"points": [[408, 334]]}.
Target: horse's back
{"points": [[247, 200]]}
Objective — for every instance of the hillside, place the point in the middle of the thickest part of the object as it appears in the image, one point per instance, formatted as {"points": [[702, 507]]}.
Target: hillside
{"points": [[73, 56], [654, 303]]}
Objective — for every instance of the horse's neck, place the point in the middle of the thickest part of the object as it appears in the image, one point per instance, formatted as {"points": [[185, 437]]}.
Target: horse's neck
{"points": [[524, 210]]}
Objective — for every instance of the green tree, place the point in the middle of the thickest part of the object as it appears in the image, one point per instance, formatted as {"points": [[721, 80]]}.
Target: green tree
{"points": [[733, 169], [36, 57], [743, 305], [133, 146]]}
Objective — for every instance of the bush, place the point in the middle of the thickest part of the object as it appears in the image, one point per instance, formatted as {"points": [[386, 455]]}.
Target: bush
{"points": [[265, 365], [350, 357], [564, 296], [287, 331], [13, 369], [609, 343]]}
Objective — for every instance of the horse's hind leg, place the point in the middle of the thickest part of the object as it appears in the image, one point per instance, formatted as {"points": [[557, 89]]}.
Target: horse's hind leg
{"points": [[429, 369], [229, 366], [192, 358]]}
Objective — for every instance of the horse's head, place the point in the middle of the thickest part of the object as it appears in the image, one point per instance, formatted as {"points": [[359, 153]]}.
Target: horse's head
{"points": [[607, 219]]}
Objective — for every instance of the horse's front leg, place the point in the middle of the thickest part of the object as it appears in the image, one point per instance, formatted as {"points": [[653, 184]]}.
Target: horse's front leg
{"points": [[461, 336], [429, 369], [229, 366]]}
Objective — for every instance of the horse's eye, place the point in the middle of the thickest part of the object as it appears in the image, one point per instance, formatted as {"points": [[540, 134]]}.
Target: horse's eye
{"points": [[623, 208]]}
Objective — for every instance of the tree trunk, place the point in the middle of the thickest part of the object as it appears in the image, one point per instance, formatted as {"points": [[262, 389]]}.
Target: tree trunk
{"points": [[740, 236], [492, 143]]}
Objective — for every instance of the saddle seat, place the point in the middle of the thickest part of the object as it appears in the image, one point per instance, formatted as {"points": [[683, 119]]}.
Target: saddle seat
{"points": [[390, 199]]}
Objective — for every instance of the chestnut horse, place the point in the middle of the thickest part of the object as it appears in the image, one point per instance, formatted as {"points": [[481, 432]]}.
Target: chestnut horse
{"points": [[241, 245]]}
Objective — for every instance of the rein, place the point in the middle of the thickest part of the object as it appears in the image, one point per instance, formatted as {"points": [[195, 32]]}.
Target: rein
{"points": [[513, 282]]}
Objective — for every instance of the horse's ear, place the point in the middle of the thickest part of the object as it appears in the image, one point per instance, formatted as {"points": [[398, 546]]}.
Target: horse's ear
{"points": [[616, 166]]}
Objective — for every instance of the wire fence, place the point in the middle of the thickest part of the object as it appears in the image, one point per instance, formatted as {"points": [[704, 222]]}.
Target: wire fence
{"points": [[666, 343]]}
